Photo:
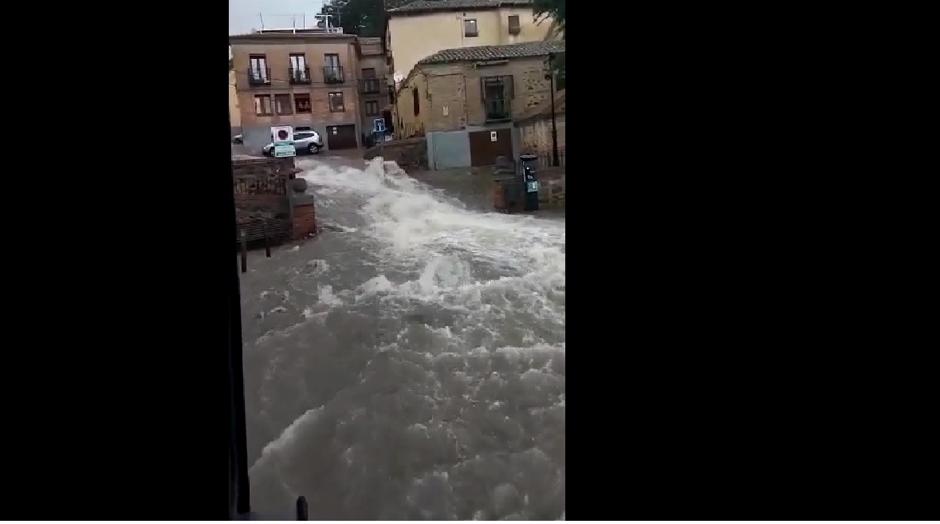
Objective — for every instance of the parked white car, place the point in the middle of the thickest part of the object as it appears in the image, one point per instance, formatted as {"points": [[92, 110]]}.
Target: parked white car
{"points": [[304, 142]]}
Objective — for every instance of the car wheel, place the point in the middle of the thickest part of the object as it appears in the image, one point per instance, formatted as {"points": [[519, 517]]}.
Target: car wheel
{"points": [[313, 149]]}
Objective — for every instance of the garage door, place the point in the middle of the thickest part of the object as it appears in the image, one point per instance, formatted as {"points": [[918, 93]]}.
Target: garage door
{"points": [[485, 146], [341, 137]]}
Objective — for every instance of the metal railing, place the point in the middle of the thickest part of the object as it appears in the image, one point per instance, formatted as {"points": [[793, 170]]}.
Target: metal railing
{"points": [[497, 109], [333, 74], [257, 77], [370, 86], [299, 76]]}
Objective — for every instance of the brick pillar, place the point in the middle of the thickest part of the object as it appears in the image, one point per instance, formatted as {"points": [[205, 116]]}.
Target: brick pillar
{"points": [[304, 222], [303, 214]]}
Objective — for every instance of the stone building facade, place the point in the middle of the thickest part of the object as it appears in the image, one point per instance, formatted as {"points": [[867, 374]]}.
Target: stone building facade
{"points": [[465, 100], [535, 129]]}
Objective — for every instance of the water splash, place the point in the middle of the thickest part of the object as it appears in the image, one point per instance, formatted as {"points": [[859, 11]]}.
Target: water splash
{"points": [[422, 373]]}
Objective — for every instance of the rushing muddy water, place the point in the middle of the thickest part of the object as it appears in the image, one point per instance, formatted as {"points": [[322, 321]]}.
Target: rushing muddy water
{"points": [[409, 363]]}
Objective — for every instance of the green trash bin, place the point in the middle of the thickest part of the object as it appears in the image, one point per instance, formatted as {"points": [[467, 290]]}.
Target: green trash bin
{"points": [[530, 181]]}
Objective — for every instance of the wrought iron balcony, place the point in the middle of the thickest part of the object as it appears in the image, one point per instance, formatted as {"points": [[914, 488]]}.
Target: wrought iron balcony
{"points": [[370, 86], [333, 74], [299, 75], [259, 77]]}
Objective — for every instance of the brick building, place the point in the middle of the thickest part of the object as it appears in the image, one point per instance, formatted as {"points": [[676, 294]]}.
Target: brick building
{"points": [[373, 91], [300, 78], [464, 100]]}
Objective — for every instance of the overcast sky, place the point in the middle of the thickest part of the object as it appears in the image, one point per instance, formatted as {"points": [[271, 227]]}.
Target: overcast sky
{"points": [[243, 14]]}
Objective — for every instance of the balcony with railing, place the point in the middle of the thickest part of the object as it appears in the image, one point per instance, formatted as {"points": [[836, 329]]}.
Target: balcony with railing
{"points": [[333, 74], [370, 86], [497, 109], [299, 75], [259, 76]]}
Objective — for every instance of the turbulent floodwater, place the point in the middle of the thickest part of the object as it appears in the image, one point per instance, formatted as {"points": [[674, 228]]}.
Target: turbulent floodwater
{"points": [[409, 363]]}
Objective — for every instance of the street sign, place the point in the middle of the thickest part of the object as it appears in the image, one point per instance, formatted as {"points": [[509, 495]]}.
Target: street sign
{"points": [[283, 141], [378, 125]]}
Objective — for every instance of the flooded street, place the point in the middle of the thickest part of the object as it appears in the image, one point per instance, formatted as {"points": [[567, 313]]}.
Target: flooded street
{"points": [[408, 363]]}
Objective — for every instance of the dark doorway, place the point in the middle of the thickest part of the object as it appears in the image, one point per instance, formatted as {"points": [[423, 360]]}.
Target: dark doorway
{"points": [[483, 148], [341, 137]]}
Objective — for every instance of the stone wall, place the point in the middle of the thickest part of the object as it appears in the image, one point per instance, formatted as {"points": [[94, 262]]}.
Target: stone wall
{"points": [[552, 191], [450, 98], [409, 153], [536, 134]]}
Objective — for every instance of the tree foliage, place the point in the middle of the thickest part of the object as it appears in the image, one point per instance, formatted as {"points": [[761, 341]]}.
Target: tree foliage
{"points": [[360, 17], [554, 9]]}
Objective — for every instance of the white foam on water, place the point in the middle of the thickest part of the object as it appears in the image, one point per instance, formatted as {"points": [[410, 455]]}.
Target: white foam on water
{"points": [[287, 436], [465, 383], [327, 297]]}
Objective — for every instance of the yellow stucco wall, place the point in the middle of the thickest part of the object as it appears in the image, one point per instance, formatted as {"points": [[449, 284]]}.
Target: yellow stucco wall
{"points": [[234, 115], [414, 37]]}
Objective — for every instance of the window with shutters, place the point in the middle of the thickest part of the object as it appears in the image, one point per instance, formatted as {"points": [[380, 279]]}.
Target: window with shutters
{"points": [[514, 24], [336, 102], [263, 105], [299, 72], [258, 71], [497, 94], [282, 105], [302, 103], [470, 27]]}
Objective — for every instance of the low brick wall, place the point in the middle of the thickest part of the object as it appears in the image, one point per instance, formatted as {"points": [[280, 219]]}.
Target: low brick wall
{"points": [[409, 153], [267, 203]]}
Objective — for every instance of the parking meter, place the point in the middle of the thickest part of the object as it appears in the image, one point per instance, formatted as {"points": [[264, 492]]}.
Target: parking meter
{"points": [[530, 181]]}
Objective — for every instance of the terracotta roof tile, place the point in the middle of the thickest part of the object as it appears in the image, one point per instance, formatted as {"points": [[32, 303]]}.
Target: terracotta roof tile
{"points": [[446, 5], [495, 52]]}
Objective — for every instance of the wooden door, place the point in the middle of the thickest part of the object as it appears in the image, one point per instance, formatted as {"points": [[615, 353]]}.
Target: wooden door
{"points": [[341, 137], [485, 146]]}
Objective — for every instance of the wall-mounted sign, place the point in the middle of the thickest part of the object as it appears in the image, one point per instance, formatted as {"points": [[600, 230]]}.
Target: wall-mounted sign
{"points": [[492, 136], [282, 134], [283, 137]]}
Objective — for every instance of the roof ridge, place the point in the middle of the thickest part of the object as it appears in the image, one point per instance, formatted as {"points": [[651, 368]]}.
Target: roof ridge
{"points": [[431, 5], [495, 52]]}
